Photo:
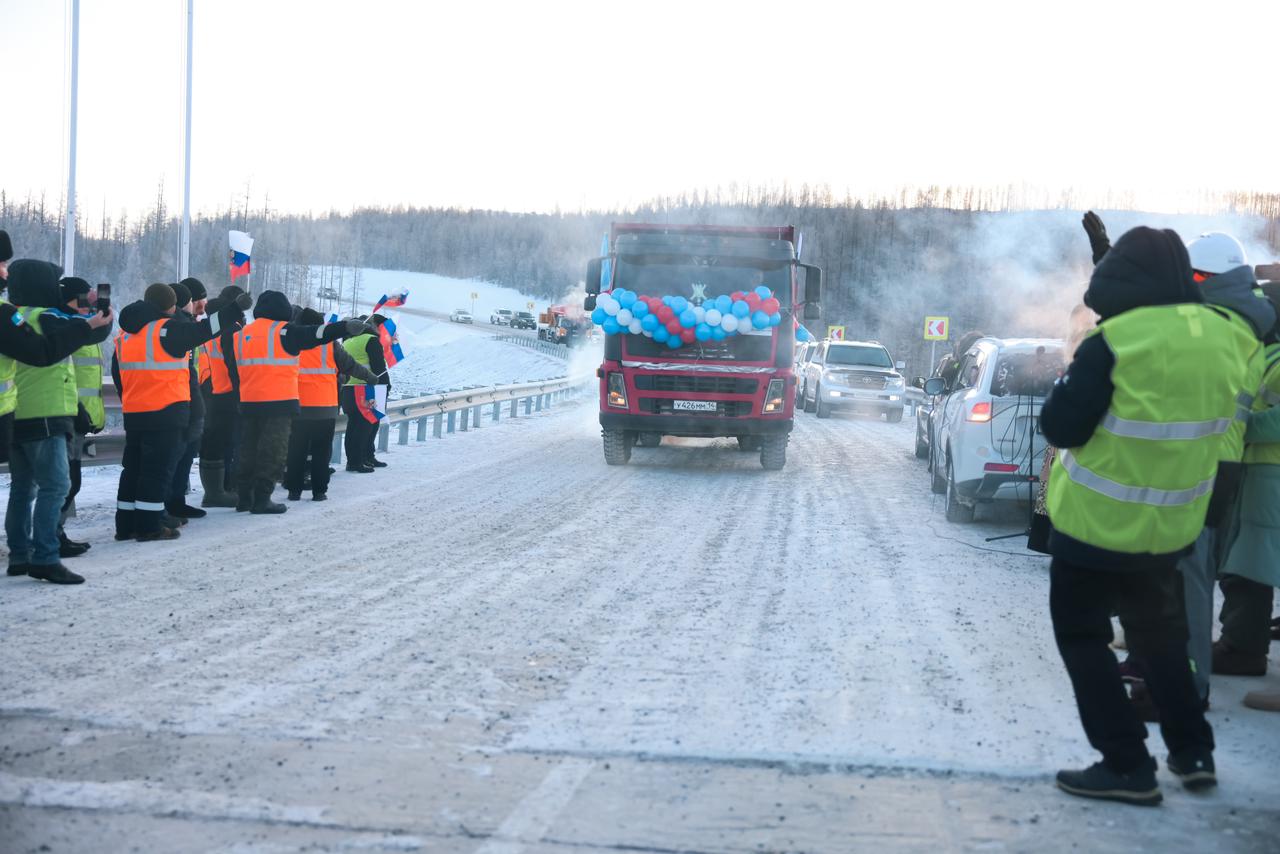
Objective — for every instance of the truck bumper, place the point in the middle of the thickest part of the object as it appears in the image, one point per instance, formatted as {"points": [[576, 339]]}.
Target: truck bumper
{"points": [[694, 425]]}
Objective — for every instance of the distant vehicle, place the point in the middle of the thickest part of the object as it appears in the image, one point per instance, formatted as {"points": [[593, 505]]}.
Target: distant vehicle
{"points": [[924, 413], [564, 324], [524, 320], [460, 315], [804, 352], [328, 293], [501, 317], [986, 442], [853, 375]]}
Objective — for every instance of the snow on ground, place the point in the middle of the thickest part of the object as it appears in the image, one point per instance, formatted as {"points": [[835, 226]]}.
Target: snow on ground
{"points": [[443, 294], [687, 653]]}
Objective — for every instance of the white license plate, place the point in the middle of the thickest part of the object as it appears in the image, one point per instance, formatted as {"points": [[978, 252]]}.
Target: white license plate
{"points": [[694, 405]]}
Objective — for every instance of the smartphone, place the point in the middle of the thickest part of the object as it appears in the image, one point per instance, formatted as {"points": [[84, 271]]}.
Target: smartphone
{"points": [[104, 297]]}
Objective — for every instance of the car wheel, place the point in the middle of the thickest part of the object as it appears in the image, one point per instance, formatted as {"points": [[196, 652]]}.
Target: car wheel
{"points": [[937, 481], [808, 404], [894, 416], [956, 511], [823, 409], [922, 450]]}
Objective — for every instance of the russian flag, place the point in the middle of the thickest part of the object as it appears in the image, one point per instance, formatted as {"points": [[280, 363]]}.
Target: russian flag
{"points": [[393, 301], [241, 249], [390, 343], [369, 405]]}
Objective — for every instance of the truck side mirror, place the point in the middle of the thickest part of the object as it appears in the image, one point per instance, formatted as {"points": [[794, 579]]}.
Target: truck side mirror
{"points": [[589, 304], [812, 283], [593, 276], [812, 311]]}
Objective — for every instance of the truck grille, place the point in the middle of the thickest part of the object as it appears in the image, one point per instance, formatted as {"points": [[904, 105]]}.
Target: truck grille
{"points": [[701, 385], [724, 408]]}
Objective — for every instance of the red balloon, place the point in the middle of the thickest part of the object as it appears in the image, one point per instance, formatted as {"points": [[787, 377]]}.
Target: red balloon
{"points": [[770, 306], [753, 300], [674, 327], [687, 336], [737, 295], [665, 314], [654, 304]]}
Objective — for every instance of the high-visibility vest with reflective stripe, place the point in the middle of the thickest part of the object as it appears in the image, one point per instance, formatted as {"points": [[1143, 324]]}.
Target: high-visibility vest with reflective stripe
{"points": [[318, 377], [202, 363], [152, 379], [1267, 453], [355, 347], [48, 392], [267, 372], [1252, 353], [1142, 482], [8, 370], [87, 362], [218, 372]]}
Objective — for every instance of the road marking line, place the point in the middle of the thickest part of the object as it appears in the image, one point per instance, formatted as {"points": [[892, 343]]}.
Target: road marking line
{"points": [[532, 817]]}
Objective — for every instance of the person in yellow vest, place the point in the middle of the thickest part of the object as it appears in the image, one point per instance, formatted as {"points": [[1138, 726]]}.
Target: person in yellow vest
{"points": [[1140, 418], [220, 387], [44, 415], [151, 369], [266, 359], [365, 349], [311, 436]]}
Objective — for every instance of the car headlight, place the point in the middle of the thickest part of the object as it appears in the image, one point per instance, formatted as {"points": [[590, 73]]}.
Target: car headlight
{"points": [[896, 383], [617, 391], [830, 377], [773, 396]]}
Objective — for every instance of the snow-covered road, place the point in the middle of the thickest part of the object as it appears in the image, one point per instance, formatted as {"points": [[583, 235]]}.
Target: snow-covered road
{"points": [[501, 644]]}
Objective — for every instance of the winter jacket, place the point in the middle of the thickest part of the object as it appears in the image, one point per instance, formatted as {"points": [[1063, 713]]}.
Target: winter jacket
{"points": [[179, 339], [346, 366], [197, 401], [295, 338], [34, 284]]}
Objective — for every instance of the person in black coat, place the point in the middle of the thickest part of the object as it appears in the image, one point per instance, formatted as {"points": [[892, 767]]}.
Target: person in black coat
{"points": [[175, 504]]}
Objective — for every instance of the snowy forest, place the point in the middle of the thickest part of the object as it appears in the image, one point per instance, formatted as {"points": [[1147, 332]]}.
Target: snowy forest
{"points": [[1001, 260]]}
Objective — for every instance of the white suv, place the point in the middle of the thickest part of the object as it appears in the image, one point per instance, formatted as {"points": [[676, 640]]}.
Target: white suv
{"points": [[852, 374], [987, 444], [501, 317]]}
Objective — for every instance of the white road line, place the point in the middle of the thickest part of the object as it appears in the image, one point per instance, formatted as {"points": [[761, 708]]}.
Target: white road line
{"points": [[532, 817]]}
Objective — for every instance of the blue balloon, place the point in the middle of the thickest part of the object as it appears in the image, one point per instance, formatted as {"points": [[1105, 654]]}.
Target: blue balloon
{"points": [[702, 332], [611, 327], [724, 303], [763, 292], [660, 334], [649, 322], [759, 320], [803, 334], [674, 341], [679, 304], [599, 316], [718, 333], [741, 309], [627, 299], [688, 319], [775, 319], [639, 309], [666, 300]]}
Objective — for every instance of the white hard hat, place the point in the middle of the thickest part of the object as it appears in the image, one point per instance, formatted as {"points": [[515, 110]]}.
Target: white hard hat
{"points": [[1216, 252]]}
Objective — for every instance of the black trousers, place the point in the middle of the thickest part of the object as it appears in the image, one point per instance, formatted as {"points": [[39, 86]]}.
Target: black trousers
{"points": [[1246, 613], [1081, 601], [264, 445], [145, 475], [220, 437], [359, 438], [310, 437]]}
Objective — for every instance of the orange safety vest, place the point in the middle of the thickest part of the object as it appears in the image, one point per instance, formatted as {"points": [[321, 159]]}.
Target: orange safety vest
{"points": [[318, 377], [202, 364], [152, 378], [267, 372], [217, 366]]}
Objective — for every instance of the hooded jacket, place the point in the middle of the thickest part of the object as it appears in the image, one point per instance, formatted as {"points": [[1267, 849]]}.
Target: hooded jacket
{"points": [[1237, 290], [34, 284], [21, 342], [179, 339]]}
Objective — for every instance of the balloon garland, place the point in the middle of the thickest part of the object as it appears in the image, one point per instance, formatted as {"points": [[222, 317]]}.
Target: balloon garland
{"points": [[675, 321]]}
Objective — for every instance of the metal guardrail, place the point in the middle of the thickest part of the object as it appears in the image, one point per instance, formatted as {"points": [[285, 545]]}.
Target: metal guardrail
{"points": [[560, 351]]}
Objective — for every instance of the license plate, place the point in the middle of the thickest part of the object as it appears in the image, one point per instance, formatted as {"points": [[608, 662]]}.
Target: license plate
{"points": [[694, 405]]}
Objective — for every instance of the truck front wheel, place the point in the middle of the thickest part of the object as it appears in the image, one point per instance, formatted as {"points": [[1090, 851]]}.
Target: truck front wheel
{"points": [[773, 451], [617, 447]]}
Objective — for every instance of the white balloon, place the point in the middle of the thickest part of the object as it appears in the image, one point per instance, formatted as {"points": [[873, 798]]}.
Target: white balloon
{"points": [[647, 333], [729, 323], [624, 317], [611, 307], [634, 326], [714, 317], [700, 314]]}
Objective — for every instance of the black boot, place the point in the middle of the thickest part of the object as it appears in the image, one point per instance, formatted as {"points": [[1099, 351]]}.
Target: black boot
{"points": [[18, 569], [262, 503], [1194, 767], [295, 495], [244, 497], [183, 510], [54, 574], [162, 534], [1137, 787], [319, 496], [211, 472], [70, 548]]}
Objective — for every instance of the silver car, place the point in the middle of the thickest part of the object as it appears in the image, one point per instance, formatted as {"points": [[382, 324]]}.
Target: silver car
{"points": [[853, 375]]}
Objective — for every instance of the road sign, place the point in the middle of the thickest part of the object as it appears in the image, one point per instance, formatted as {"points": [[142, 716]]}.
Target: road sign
{"points": [[937, 328], [529, 305], [835, 333], [475, 295]]}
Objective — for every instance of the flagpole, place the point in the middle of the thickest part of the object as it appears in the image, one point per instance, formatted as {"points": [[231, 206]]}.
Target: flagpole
{"points": [[184, 234], [69, 226]]}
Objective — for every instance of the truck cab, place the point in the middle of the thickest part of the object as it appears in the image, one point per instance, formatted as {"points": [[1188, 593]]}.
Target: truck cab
{"points": [[733, 378]]}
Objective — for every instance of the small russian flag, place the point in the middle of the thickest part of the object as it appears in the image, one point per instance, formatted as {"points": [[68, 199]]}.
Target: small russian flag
{"points": [[241, 249], [390, 343], [393, 301], [367, 403]]}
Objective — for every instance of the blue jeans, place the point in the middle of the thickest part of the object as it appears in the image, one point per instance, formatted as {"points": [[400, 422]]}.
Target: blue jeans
{"points": [[37, 469]]}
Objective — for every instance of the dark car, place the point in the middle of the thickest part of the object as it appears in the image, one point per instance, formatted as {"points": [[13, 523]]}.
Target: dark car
{"points": [[524, 320]]}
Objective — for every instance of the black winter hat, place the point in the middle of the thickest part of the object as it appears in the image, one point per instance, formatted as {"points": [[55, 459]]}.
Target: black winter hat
{"points": [[181, 296], [34, 284], [195, 287], [160, 297], [1145, 267], [273, 305], [73, 287], [6, 246], [310, 317]]}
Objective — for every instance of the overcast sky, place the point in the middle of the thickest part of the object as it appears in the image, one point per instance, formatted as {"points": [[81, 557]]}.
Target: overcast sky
{"points": [[529, 105]]}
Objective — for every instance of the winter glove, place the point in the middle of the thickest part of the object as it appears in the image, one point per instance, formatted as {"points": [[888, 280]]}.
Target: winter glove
{"points": [[83, 424], [355, 327], [1097, 232]]}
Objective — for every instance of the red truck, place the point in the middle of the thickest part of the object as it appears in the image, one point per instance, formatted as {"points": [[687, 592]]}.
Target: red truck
{"points": [[738, 383]]}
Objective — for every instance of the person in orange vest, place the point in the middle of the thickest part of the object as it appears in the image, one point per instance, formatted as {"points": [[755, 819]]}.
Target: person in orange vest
{"points": [[312, 432], [220, 386], [152, 372], [192, 298], [266, 360]]}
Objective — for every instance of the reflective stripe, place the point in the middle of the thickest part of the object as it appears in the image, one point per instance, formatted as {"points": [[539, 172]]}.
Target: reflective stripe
{"points": [[89, 392], [5, 385], [330, 371], [1132, 494], [150, 364], [270, 359], [1171, 431], [153, 506], [125, 505]]}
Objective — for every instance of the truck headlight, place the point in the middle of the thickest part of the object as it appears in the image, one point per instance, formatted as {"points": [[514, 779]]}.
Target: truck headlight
{"points": [[830, 377], [773, 396], [617, 391], [898, 382]]}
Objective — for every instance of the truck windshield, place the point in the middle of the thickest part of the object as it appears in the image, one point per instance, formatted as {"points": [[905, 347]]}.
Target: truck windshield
{"points": [[699, 279], [875, 357]]}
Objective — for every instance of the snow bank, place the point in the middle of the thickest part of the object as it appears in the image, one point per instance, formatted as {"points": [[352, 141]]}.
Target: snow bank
{"points": [[442, 294]]}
